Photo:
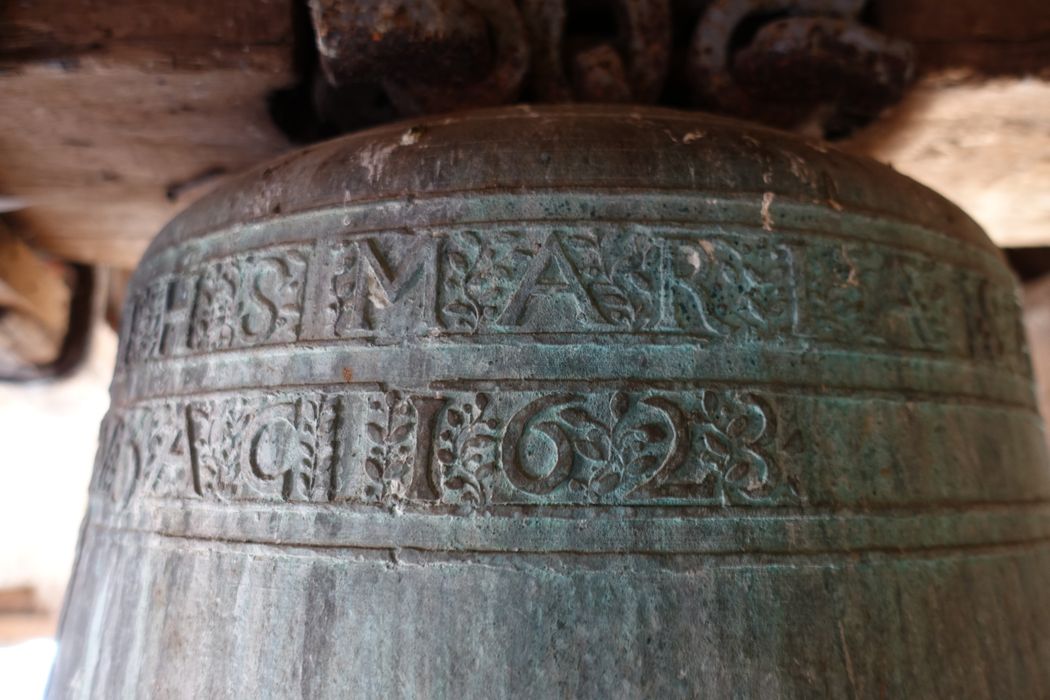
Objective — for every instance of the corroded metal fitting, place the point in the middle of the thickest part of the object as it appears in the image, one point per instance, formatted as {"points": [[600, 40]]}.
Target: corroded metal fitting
{"points": [[399, 39], [804, 54], [425, 55], [499, 84]]}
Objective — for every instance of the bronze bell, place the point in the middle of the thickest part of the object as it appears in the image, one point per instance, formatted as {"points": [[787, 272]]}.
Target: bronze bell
{"points": [[567, 402]]}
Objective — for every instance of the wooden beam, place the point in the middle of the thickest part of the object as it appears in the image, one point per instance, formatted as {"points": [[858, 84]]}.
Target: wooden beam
{"points": [[117, 114]]}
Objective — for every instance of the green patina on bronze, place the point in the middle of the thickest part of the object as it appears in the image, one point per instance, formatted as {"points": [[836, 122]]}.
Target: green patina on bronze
{"points": [[567, 402]]}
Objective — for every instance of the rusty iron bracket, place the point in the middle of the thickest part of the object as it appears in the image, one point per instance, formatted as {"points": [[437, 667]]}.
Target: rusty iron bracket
{"points": [[425, 55], [405, 40], [803, 56], [499, 84], [784, 62]]}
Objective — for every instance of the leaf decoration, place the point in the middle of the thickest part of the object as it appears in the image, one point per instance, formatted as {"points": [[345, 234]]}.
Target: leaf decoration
{"points": [[392, 434], [218, 429], [616, 443], [215, 312], [733, 436], [480, 275], [466, 453]]}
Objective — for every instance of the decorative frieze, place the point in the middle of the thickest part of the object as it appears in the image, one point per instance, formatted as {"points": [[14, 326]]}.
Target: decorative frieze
{"points": [[461, 448], [251, 300], [607, 279]]}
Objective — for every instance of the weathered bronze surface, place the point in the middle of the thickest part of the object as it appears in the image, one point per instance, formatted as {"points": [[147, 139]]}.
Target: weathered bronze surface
{"points": [[567, 402]]}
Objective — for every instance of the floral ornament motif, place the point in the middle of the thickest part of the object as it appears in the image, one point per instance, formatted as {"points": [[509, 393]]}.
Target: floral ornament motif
{"points": [[319, 446], [344, 287], [465, 452], [842, 288], [217, 430], [769, 295], [480, 276], [720, 289], [392, 434], [732, 433], [620, 453], [920, 313], [643, 438], [147, 321], [587, 451], [620, 273], [215, 310], [637, 270]]}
